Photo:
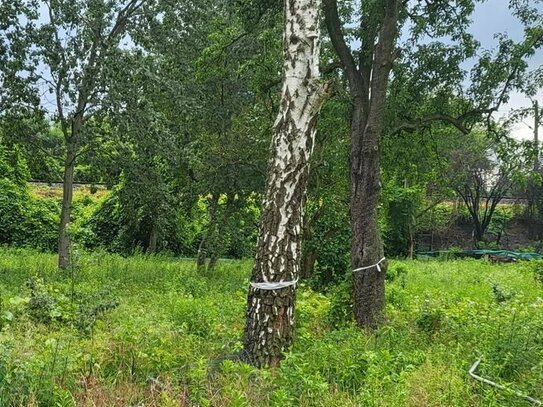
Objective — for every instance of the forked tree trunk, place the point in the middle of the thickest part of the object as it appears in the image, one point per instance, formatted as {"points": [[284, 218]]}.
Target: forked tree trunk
{"points": [[204, 243], [270, 312], [368, 79]]}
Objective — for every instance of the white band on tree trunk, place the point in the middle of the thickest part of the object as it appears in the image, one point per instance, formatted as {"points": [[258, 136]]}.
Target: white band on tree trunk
{"points": [[273, 285], [372, 266]]}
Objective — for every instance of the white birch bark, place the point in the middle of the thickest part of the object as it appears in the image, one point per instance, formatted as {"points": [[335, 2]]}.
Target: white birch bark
{"points": [[270, 313]]}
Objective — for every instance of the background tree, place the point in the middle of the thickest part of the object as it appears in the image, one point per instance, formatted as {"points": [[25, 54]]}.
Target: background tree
{"points": [[367, 70], [484, 172], [228, 153], [368, 79], [67, 49]]}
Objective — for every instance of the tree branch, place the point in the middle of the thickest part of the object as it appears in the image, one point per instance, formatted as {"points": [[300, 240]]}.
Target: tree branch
{"points": [[459, 121], [333, 24]]}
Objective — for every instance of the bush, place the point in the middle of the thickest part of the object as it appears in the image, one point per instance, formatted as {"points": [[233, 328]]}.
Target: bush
{"points": [[13, 210], [329, 242], [430, 317], [537, 270], [341, 311], [401, 206], [40, 227], [335, 361]]}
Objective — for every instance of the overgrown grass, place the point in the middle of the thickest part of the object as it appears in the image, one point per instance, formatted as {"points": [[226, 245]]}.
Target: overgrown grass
{"points": [[145, 331]]}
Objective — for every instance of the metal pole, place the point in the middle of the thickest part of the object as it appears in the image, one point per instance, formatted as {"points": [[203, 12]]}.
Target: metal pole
{"points": [[499, 386]]}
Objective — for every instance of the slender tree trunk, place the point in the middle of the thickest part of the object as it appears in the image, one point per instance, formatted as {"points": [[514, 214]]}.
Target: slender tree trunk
{"points": [[204, 243], [72, 144], [66, 209], [213, 260], [201, 256], [217, 241], [533, 187], [153, 238], [270, 312], [411, 248]]}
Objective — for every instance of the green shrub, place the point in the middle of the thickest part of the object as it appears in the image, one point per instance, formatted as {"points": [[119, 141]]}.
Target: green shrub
{"points": [[329, 242], [397, 271], [430, 317], [341, 304], [335, 361], [537, 270], [13, 208], [500, 293], [438, 219], [40, 226], [401, 205], [194, 316]]}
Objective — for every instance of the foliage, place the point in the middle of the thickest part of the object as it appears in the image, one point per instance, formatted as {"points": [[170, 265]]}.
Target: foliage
{"points": [[484, 172], [401, 207], [114, 330]]}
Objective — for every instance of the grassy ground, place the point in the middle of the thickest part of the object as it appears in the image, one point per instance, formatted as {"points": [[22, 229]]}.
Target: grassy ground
{"points": [[154, 332]]}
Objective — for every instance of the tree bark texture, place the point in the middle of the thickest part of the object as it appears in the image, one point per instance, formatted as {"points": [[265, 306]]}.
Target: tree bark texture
{"points": [[368, 79], [72, 140], [66, 209], [270, 313]]}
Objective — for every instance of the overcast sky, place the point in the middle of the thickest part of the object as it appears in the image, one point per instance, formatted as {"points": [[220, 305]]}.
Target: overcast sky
{"points": [[492, 17], [489, 18]]}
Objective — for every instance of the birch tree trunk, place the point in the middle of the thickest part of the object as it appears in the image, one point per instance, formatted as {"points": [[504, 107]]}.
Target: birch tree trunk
{"points": [[270, 312]]}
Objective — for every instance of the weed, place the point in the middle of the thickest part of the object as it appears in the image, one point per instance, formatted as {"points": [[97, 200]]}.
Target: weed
{"points": [[151, 331]]}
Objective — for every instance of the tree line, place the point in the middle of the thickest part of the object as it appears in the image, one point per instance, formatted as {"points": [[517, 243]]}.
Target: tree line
{"points": [[298, 117]]}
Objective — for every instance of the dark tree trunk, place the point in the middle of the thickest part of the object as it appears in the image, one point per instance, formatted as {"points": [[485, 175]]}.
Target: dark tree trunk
{"points": [[270, 312], [368, 79], [204, 243], [367, 246], [478, 233], [213, 260], [153, 238], [310, 257], [217, 238]]}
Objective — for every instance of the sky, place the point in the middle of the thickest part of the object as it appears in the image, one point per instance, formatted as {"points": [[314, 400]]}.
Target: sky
{"points": [[489, 17], [494, 16]]}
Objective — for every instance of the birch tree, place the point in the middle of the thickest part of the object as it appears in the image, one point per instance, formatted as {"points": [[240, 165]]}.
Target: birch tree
{"points": [[271, 298]]}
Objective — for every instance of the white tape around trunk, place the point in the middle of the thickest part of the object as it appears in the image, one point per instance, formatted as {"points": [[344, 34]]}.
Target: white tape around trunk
{"points": [[273, 285], [372, 266]]}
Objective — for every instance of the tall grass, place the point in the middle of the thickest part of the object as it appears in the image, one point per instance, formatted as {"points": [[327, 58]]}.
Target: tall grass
{"points": [[152, 331]]}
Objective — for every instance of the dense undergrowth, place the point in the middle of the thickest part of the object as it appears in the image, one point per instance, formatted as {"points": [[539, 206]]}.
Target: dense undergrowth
{"points": [[143, 331]]}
